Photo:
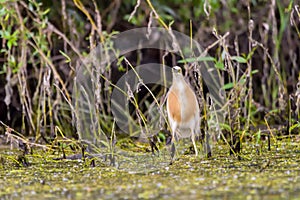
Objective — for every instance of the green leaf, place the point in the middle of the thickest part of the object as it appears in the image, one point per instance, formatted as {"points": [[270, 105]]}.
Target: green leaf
{"points": [[46, 11], [4, 70], [9, 44], [2, 11], [5, 34], [255, 71], [258, 138], [197, 59], [219, 65], [68, 59], [239, 59], [225, 126], [162, 136], [242, 80], [294, 126], [228, 86], [6, 17]]}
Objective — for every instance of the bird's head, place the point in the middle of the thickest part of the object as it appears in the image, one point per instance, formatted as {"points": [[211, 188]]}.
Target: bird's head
{"points": [[177, 71]]}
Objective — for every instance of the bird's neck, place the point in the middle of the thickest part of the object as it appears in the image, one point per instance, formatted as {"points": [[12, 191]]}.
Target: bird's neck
{"points": [[179, 82]]}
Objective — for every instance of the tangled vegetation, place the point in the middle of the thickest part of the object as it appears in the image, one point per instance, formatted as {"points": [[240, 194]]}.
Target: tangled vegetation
{"points": [[254, 45]]}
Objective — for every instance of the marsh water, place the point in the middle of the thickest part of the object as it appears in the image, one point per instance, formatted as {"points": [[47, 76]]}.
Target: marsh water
{"points": [[259, 174]]}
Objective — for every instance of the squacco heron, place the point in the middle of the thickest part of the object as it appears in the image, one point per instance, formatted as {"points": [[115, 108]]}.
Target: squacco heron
{"points": [[183, 109]]}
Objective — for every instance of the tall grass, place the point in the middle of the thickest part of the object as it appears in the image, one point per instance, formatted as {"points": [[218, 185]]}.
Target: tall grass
{"points": [[256, 55]]}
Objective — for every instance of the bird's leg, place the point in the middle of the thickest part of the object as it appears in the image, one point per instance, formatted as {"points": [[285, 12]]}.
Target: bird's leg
{"points": [[173, 149], [207, 149], [194, 143]]}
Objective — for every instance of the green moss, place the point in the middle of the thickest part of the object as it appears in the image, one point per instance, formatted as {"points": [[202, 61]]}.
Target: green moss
{"points": [[272, 175]]}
